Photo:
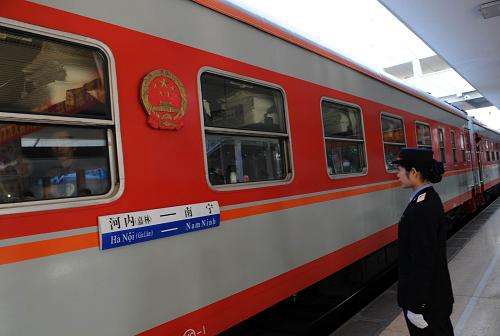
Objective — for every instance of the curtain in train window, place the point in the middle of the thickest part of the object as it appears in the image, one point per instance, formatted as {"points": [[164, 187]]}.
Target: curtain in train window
{"points": [[39, 75], [442, 151], [424, 139], [246, 134], [344, 142], [393, 135]]}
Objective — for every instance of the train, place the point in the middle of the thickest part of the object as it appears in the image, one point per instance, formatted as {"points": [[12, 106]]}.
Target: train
{"points": [[176, 167]]}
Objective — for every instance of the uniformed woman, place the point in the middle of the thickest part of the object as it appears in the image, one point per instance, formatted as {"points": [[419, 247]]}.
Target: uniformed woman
{"points": [[424, 288]]}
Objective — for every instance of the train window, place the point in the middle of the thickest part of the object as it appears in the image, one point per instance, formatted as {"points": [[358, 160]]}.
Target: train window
{"points": [[39, 75], [487, 155], [453, 146], [393, 135], [468, 151], [442, 151], [424, 139], [462, 147], [43, 158], [40, 162], [236, 104], [344, 141], [246, 134]]}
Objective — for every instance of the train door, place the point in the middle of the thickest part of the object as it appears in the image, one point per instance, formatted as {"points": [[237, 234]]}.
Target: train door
{"points": [[477, 171]]}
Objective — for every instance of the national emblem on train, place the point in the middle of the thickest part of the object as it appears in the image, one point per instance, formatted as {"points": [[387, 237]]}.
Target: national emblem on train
{"points": [[164, 98]]}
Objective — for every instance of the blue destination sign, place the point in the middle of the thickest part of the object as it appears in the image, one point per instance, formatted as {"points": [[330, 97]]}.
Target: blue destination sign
{"points": [[136, 227]]}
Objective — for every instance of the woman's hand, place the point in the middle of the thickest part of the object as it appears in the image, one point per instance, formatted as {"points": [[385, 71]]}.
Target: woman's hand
{"points": [[417, 319]]}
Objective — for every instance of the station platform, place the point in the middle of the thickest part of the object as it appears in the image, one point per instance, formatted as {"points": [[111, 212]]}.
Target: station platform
{"points": [[474, 263]]}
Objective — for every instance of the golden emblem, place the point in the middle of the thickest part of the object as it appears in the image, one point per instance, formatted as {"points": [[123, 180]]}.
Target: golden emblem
{"points": [[164, 98]]}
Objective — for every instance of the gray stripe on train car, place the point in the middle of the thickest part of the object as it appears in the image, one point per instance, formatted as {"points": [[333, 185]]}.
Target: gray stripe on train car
{"points": [[191, 24], [131, 289], [128, 290]]}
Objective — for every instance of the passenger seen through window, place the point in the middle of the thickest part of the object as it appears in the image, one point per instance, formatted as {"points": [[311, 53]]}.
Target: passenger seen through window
{"points": [[52, 162]]}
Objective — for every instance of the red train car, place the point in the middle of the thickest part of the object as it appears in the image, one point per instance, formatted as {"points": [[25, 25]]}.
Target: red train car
{"points": [[260, 159]]}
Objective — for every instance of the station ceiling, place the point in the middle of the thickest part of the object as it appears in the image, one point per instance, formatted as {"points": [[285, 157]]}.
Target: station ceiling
{"points": [[456, 30]]}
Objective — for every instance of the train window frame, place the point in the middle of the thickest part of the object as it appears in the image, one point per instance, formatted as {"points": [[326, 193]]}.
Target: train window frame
{"points": [[288, 148], [349, 104], [442, 149], [112, 124], [453, 146], [463, 147], [394, 116], [468, 147], [430, 133]]}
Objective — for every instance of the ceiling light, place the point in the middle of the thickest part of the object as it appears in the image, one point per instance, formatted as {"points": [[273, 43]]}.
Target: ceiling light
{"points": [[490, 9]]}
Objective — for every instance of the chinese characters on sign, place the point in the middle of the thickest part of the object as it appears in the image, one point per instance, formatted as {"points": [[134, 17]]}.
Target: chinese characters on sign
{"points": [[128, 221], [135, 227]]}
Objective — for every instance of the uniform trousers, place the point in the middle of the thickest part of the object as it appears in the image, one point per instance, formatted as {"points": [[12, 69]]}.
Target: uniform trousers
{"points": [[438, 325]]}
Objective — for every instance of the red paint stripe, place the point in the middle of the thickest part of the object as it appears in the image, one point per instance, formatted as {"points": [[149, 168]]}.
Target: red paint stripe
{"points": [[457, 201], [457, 172], [491, 184], [225, 313], [489, 165], [45, 248]]}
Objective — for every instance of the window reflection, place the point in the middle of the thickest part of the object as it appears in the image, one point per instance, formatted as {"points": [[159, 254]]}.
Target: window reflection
{"points": [[231, 103], [441, 145], [424, 136], [341, 120], [392, 154], [246, 135], [343, 138], [453, 146], [242, 159], [345, 157], [394, 139], [52, 162], [38, 75], [393, 130]]}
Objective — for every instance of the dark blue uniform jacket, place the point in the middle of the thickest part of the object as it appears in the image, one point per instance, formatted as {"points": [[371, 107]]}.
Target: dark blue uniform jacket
{"points": [[424, 281]]}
